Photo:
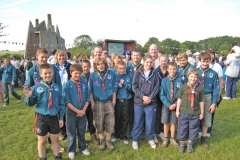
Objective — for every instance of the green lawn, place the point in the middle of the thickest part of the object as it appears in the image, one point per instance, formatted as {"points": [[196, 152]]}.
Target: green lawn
{"points": [[18, 142]]}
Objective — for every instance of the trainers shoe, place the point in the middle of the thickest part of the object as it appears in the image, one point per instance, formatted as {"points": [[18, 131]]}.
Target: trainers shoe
{"points": [[155, 139], [102, 144], [152, 144], [204, 141], [4, 105], [161, 135], [174, 143], [114, 139], [181, 147], [19, 99], [86, 152], [227, 98], [94, 138], [71, 155], [190, 147], [135, 145], [208, 134], [200, 134], [125, 141], [165, 142], [109, 145]]}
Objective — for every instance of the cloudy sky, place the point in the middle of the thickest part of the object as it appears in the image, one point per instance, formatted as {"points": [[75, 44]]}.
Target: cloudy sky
{"points": [[126, 19]]}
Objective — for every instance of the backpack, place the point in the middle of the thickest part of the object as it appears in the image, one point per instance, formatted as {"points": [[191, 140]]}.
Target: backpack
{"points": [[29, 65]]}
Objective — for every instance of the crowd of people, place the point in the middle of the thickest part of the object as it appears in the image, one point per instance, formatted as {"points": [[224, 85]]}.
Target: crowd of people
{"points": [[161, 95]]}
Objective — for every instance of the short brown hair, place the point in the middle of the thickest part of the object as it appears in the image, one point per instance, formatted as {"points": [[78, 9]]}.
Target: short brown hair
{"points": [[173, 64], [104, 52], [182, 55], [144, 59], [97, 60], [86, 61], [42, 50], [45, 66], [121, 63], [76, 67], [193, 71], [204, 56]]}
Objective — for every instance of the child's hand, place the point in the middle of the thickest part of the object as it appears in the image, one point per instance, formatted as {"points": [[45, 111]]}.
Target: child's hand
{"points": [[146, 100], [177, 114], [27, 91], [61, 123], [122, 81], [172, 107], [201, 116], [212, 108], [12, 83], [80, 113], [92, 104], [120, 85]]}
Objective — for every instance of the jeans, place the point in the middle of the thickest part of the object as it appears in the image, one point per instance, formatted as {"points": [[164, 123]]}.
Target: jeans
{"points": [[6, 88], [149, 112], [231, 87]]}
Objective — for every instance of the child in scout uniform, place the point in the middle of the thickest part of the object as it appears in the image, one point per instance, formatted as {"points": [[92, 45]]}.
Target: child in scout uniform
{"points": [[184, 66], [102, 89], [76, 98], [210, 83], [89, 113], [169, 88], [190, 106], [48, 99], [122, 106]]}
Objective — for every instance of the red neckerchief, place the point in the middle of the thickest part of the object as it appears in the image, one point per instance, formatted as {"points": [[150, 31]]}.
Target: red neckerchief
{"points": [[78, 84], [171, 86], [203, 72], [192, 96], [50, 90], [102, 79]]}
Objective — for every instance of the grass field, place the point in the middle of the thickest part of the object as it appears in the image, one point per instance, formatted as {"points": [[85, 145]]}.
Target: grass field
{"points": [[18, 142]]}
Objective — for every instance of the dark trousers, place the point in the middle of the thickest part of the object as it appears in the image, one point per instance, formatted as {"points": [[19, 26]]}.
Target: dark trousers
{"points": [[16, 81], [231, 87], [121, 118], [131, 114], [63, 130], [6, 88], [158, 123], [89, 114]]}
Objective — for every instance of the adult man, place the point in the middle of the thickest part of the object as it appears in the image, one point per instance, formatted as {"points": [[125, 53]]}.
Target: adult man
{"points": [[153, 51], [97, 52]]}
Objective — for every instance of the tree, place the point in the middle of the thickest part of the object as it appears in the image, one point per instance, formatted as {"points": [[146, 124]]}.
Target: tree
{"points": [[83, 41], [1, 28]]}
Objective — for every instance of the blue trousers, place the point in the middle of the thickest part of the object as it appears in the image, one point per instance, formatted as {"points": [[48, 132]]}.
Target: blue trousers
{"points": [[231, 86], [75, 125], [149, 112]]}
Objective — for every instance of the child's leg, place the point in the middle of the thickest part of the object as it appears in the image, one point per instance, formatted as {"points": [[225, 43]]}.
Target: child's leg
{"points": [[11, 89], [81, 126], [174, 122], [138, 122], [71, 120], [150, 118], [165, 130], [194, 123], [55, 143], [42, 145], [182, 132], [5, 92], [173, 130], [165, 119], [124, 119], [118, 122]]}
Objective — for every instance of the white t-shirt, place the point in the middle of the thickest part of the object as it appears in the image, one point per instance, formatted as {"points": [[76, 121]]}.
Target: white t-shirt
{"points": [[63, 74], [92, 68], [51, 60], [236, 49]]}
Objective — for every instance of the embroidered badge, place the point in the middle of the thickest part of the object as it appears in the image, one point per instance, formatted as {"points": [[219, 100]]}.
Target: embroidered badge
{"points": [[63, 94], [38, 130], [40, 90], [179, 84], [128, 79], [109, 76], [210, 75], [96, 83], [56, 88], [35, 73]]}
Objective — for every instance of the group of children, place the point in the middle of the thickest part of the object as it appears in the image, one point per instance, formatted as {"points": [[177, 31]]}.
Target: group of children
{"points": [[117, 96]]}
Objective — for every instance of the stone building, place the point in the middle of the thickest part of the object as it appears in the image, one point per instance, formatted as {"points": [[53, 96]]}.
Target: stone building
{"points": [[43, 36]]}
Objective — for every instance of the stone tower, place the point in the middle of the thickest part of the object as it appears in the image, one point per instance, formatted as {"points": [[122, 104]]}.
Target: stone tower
{"points": [[43, 36]]}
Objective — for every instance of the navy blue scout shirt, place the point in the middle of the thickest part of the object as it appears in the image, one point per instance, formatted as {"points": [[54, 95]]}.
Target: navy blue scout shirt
{"points": [[113, 69], [125, 91], [95, 85], [8, 74], [183, 72], [165, 93], [70, 93], [211, 83], [33, 77], [40, 98]]}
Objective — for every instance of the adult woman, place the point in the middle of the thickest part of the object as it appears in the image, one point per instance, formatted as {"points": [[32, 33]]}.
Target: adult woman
{"points": [[8, 72], [146, 87]]}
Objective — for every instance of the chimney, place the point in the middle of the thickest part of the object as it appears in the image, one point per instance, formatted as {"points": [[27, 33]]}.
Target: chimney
{"points": [[49, 25], [36, 22]]}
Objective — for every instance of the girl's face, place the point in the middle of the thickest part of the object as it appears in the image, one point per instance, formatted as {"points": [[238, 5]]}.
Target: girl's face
{"points": [[116, 59], [6, 62], [101, 66], [192, 78], [61, 58], [163, 62], [148, 64]]}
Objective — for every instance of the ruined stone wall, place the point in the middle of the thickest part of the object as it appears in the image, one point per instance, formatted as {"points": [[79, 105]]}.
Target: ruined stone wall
{"points": [[34, 39]]}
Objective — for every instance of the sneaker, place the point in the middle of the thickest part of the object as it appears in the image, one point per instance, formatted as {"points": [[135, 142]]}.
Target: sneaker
{"points": [[234, 98], [135, 145], [152, 144], [109, 145], [200, 134], [161, 135], [71, 155], [181, 147], [165, 142], [208, 134], [19, 99], [204, 141], [227, 98], [155, 139], [114, 139], [86, 152], [190, 147], [174, 143], [4, 105], [125, 141]]}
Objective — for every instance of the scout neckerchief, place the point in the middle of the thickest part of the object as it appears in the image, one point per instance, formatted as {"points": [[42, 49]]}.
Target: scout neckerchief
{"points": [[6, 68], [184, 69], [102, 79], [171, 86], [193, 88], [58, 66], [78, 84], [203, 72], [135, 67], [86, 77], [50, 90]]}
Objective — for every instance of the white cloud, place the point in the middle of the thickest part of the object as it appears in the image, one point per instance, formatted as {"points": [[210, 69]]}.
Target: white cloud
{"points": [[15, 3]]}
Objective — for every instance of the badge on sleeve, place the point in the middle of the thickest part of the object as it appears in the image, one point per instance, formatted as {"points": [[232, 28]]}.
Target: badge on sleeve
{"points": [[210, 75], [179, 84], [109, 76], [40, 90]]}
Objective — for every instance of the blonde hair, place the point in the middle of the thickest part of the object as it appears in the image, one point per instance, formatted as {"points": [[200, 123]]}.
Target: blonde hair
{"points": [[193, 71], [182, 55], [97, 60], [113, 57], [60, 52]]}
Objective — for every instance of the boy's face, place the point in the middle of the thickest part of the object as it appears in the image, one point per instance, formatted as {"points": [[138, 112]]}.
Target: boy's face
{"points": [[76, 75], [101, 66], [136, 57], [205, 63], [97, 52], [163, 62], [172, 70], [192, 78], [46, 74], [42, 58], [86, 68], [121, 69], [182, 62]]}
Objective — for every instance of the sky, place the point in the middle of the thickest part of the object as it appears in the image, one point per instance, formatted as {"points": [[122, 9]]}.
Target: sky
{"points": [[138, 20]]}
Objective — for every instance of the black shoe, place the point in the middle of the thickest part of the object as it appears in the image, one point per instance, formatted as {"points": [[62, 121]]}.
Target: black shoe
{"points": [[190, 147], [43, 158], [204, 141], [58, 157], [181, 146]]}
